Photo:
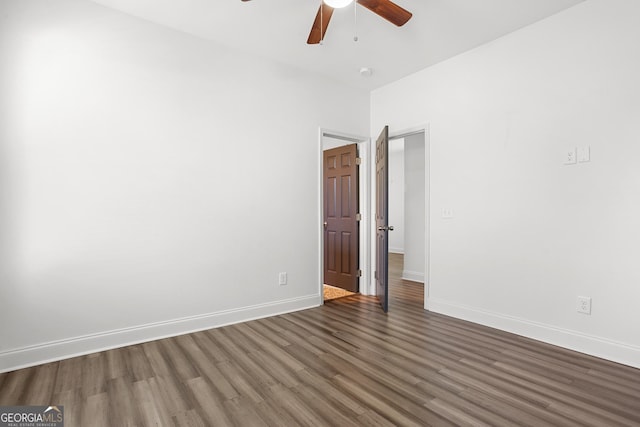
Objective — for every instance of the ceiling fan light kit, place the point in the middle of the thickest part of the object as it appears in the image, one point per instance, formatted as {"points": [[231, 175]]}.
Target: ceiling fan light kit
{"points": [[337, 4], [384, 8]]}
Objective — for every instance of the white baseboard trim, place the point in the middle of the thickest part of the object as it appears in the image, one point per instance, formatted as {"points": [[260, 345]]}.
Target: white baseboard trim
{"points": [[604, 348], [396, 250], [77, 346], [414, 276]]}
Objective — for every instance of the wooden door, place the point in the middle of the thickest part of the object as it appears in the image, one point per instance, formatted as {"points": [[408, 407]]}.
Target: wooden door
{"points": [[341, 239], [382, 219]]}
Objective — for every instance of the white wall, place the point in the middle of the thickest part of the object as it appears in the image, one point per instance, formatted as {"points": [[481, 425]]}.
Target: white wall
{"points": [[396, 195], [414, 207], [148, 177], [529, 235]]}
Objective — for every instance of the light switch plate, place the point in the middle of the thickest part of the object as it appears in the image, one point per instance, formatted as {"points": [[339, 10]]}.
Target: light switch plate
{"points": [[584, 154], [447, 213]]}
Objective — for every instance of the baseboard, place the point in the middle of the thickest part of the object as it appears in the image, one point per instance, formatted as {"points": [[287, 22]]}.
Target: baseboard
{"points": [[604, 348], [63, 349], [396, 251], [414, 276]]}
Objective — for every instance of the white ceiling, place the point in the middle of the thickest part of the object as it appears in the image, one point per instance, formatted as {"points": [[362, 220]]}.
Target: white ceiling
{"points": [[278, 29]]}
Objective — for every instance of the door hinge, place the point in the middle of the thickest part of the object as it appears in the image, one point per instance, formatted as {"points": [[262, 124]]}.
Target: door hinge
{"points": [[358, 217], [358, 160], [375, 274], [359, 273]]}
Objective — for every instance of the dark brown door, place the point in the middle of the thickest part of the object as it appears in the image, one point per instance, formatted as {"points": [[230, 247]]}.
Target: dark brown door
{"points": [[382, 219], [340, 222]]}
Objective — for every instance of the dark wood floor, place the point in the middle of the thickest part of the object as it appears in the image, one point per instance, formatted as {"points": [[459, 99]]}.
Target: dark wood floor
{"points": [[341, 364]]}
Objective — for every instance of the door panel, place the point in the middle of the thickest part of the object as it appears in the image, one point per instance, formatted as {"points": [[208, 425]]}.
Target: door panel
{"points": [[340, 176], [330, 196], [382, 219]]}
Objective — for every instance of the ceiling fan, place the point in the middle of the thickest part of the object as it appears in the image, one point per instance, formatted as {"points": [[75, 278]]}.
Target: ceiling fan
{"points": [[384, 8]]}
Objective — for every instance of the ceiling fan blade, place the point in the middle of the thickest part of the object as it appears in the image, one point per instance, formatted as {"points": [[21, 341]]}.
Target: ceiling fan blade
{"points": [[320, 24], [388, 10]]}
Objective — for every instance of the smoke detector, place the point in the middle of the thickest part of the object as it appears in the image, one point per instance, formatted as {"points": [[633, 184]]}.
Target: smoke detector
{"points": [[366, 72]]}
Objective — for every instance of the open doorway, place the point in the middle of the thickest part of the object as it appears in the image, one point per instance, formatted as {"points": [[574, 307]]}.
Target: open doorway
{"points": [[407, 204], [343, 265], [408, 214], [341, 221]]}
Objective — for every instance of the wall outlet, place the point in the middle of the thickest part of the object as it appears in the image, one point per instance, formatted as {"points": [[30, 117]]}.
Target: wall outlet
{"points": [[282, 278], [571, 158], [584, 305]]}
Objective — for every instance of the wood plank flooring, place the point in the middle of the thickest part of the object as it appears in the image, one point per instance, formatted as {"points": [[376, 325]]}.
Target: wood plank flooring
{"points": [[345, 363]]}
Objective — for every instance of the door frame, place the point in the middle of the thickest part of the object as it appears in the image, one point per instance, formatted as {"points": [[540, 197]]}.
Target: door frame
{"points": [[364, 202]]}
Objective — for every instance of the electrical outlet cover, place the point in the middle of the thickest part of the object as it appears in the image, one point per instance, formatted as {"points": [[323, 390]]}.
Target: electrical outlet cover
{"points": [[282, 278], [584, 305], [447, 213]]}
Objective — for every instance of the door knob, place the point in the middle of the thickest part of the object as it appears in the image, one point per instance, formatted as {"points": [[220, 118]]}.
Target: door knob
{"points": [[325, 224]]}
